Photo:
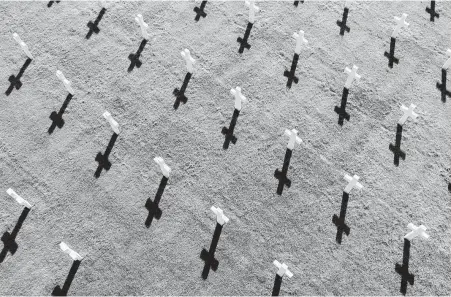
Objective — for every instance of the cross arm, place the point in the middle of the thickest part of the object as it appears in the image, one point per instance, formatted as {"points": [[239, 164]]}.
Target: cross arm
{"points": [[289, 133], [19, 199], [73, 254]]}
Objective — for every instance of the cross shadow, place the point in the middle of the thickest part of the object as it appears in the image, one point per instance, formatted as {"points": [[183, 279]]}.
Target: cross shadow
{"points": [[57, 118], [282, 175], [152, 206], [180, 94], [209, 256], [200, 11], [103, 161], [340, 221], [296, 3], [15, 80], [290, 74], [449, 187], [391, 56], [243, 41], [403, 269], [51, 3], [277, 284], [58, 291], [93, 27], [442, 86], [341, 111], [342, 23], [9, 240], [228, 132], [134, 58], [432, 12], [396, 149]]}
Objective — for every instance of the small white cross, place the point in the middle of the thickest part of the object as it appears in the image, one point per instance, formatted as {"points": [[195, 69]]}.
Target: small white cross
{"points": [[300, 40], [165, 169], [220, 217], [352, 75], [22, 45], [73, 254], [19, 199], [283, 269], [353, 183], [400, 22], [114, 125], [408, 112], [293, 134], [448, 62], [239, 98], [421, 230], [66, 83], [139, 19], [189, 60], [252, 10]]}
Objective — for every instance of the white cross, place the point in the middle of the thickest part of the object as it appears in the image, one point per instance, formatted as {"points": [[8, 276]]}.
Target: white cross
{"points": [[66, 83], [220, 217], [139, 19], [189, 60], [293, 134], [300, 40], [73, 254], [239, 98], [353, 183], [114, 125], [400, 22], [165, 169], [408, 112], [283, 269], [352, 75], [19, 199], [421, 230], [22, 45], [448, 62], [252, 10]]}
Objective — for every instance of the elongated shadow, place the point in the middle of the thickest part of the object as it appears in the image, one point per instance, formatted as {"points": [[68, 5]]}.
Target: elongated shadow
{"points": [[442, 87], [277, 285], [403, 270], [341, 111], [432, 11], [152, 206], [51, 3], [209, 256], [282, 175], [58, 291], [228, 132], [342, 24], [103, 161], [291, 74], [180, 94], [391, 56], [200, 11], [243, 41], [340, 221], [134, 58], [57, 118], [9, 239], [15, 80], [396, 149], [94, 27]]}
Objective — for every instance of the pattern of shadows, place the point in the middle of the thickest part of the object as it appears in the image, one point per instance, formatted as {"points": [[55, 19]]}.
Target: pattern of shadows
{"points": [[58, 291], [15, 80], [449, 187], [442, 86], [51, 3], [403, 269], [243, 41], [103, 161], [290, 74], [180, 94], [342, 23], [277, 284], [296, 3], [282, 175], [209, 256], [57, 118], [152, 206], [200, 11], [391, 55], [340, 221], [93, 27], [432, 12], [9, 240], [134, 58], [396, 149], [228, 132], [341, 111]]}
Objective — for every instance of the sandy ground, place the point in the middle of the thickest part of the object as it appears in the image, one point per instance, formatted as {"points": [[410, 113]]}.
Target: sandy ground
{"points": [[103, 219]]}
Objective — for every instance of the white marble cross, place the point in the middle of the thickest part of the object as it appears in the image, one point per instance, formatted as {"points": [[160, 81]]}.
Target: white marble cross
{"points": [[352, 183], [283, 269], [66, 83], [189, 60], [300, 40], [252, 10], [400, 22], [220, 217], [139, 19], [293, 134], [19, 199], [352, 75], [73, 254], [165, 169], [113, 123], [22, 45], [421, 230], [408, 112], [448, 62], [239, 98]]}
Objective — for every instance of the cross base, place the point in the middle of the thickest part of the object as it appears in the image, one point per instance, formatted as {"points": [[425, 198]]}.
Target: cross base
{"points": [[154, 212], [342, 24], [342, 114], [134, 61], [104, 163], [243, 41], [57, 119], [340, 223], [200, 11], [93, 27], [228, 134], [406, 277], [205, 256], [180, 97], [14, 83], [9, 243], [398, 153], [432, 12], [291, 76], [391, 56]]}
